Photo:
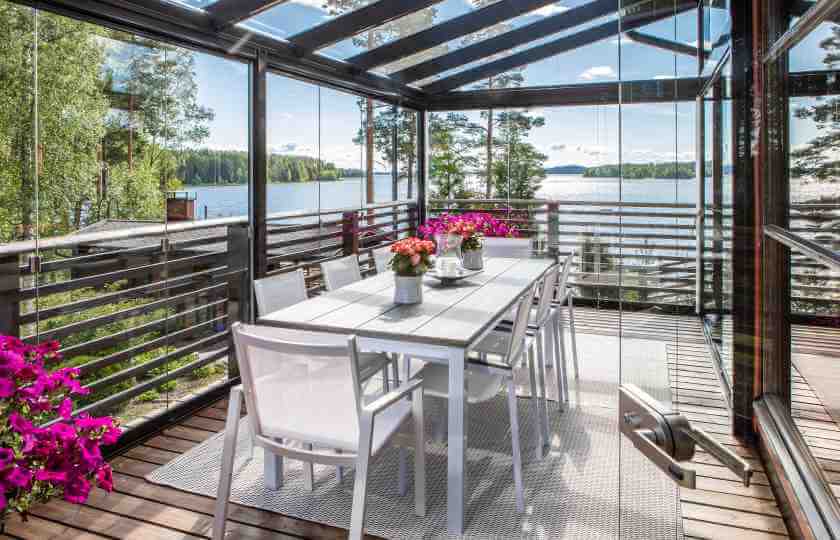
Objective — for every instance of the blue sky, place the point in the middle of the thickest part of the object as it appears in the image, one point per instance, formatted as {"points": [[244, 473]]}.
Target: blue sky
{"points": [[572, 135]]}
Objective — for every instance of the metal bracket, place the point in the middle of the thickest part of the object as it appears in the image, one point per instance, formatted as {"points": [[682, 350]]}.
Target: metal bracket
{"points": [[667, 437], [35, 264]]}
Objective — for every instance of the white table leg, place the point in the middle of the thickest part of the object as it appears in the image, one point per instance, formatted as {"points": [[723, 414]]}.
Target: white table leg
{"points": [[456, 477]]}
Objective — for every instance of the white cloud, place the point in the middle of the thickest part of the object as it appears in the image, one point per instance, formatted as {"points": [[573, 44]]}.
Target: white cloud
{"points": [[598, 72], [663, 77], [549, 10]]}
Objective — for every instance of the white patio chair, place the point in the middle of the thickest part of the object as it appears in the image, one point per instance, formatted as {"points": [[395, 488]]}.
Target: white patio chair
{"points": [[297, 392], [280, 291], [283, 290], [341, 272], [515, 248], [564, 294], [381, 258], [486, 377]]}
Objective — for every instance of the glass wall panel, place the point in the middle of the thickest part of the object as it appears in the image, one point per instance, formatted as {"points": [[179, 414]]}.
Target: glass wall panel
{"points": [[814, 126], [717, 26], [18, 173], [110, 148]]}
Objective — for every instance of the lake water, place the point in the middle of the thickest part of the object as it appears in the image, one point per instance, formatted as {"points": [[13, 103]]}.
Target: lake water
{"points": [[224, 201]]}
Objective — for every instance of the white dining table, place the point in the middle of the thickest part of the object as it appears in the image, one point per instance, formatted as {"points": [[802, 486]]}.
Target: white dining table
{"points": [[450, 321]]}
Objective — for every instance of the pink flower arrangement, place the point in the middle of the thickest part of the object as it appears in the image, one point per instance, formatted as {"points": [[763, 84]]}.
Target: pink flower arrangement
{"points": [[411, 256], [61, 460], [471, 226]]}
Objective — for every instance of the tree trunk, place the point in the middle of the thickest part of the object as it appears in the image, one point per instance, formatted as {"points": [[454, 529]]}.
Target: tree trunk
{"points": [[489, 171], [370, 191]]}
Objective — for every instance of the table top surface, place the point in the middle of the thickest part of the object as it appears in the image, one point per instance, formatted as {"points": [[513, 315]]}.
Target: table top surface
{"points": [[450, 315]]}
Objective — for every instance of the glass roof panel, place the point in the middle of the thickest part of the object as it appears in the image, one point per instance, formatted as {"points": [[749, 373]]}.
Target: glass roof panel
{"points": [[295, 16], [594, 57], [431, 16], [197, 4]]}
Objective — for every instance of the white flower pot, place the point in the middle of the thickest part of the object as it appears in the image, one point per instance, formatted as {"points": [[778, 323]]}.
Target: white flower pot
{"points": [[473, 259], [408, 289]]}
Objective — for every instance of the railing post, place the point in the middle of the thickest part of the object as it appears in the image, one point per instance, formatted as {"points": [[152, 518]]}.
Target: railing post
{"points": [[239, 285], [350, 233], [412, 220], [553, 235], [9, 296]]}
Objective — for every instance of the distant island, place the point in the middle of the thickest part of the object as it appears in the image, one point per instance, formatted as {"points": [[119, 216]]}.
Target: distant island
{"points": [[681, 170], [566, 169], [205, 167]]}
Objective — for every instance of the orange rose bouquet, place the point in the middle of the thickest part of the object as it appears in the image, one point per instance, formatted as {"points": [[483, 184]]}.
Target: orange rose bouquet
{"points": [[412, 256]]}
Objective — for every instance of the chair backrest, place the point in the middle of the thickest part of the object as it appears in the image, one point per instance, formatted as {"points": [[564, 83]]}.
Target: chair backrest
{"points": [[341, 272], [520, 326], [564, 277], [516, 248], [299, 391], [549, 285], [381, 258], [278, 292]]}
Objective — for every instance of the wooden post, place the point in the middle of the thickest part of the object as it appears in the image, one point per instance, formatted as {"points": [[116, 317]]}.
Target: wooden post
{"points": [[553, 235], [350, 233], [412, 220], [9, 296]]}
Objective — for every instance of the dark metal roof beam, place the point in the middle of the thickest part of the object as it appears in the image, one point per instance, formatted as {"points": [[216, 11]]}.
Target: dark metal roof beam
{"points": [[665, 44], [558, 46], [192, 28], [446, 31], [225, 13], [355, 22], [508, 40], [604, 93]]}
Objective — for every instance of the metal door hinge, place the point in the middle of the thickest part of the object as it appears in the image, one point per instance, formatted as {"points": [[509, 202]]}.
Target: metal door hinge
{"points": [[667, 437]]}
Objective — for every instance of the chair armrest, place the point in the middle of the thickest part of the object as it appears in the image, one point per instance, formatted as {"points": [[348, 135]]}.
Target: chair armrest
{"points": [[392, 397]]}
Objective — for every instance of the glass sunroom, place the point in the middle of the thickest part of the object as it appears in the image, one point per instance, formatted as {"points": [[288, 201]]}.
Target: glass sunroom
{"points": [[647, 347]]}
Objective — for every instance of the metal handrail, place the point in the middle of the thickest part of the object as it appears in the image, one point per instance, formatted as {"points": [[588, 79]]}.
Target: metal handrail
{"points": [[163, 229]]}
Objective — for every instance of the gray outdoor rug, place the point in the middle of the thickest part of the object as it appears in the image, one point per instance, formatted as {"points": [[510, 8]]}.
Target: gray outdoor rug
{"points": [[593, 484]]}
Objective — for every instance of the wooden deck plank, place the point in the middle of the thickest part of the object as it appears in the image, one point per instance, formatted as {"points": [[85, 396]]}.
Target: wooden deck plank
{"points": [[721, 507]]}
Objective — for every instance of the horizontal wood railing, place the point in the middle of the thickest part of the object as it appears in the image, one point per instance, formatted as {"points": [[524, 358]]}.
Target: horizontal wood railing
{"points": [[650, 249], [144, 311]]}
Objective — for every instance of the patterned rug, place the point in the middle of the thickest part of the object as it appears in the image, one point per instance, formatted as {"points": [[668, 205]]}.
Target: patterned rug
{"points": [[593, 484]]}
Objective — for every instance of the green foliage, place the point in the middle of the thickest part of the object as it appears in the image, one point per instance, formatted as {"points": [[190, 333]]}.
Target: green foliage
{"points": [[683, 169], [521, 171], [450, 156], [148, 395], [70, 110], [818, 159]]}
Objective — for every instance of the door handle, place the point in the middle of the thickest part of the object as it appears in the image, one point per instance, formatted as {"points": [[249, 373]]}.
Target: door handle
{"points": [[667, 438]]}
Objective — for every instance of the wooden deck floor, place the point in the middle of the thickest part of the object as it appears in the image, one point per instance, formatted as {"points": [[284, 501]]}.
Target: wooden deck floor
{"points": [[720, 508]]}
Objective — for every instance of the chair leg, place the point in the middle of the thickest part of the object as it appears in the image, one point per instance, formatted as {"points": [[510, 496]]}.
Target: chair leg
{"points": [[395, 366], [308, 472], [402, 475], [386, 386], [273, 469], [573, 334], [517, 452], [543, 417], [228, 458], [357, 516], [562, 378], [535, 405], [419, 453]]}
